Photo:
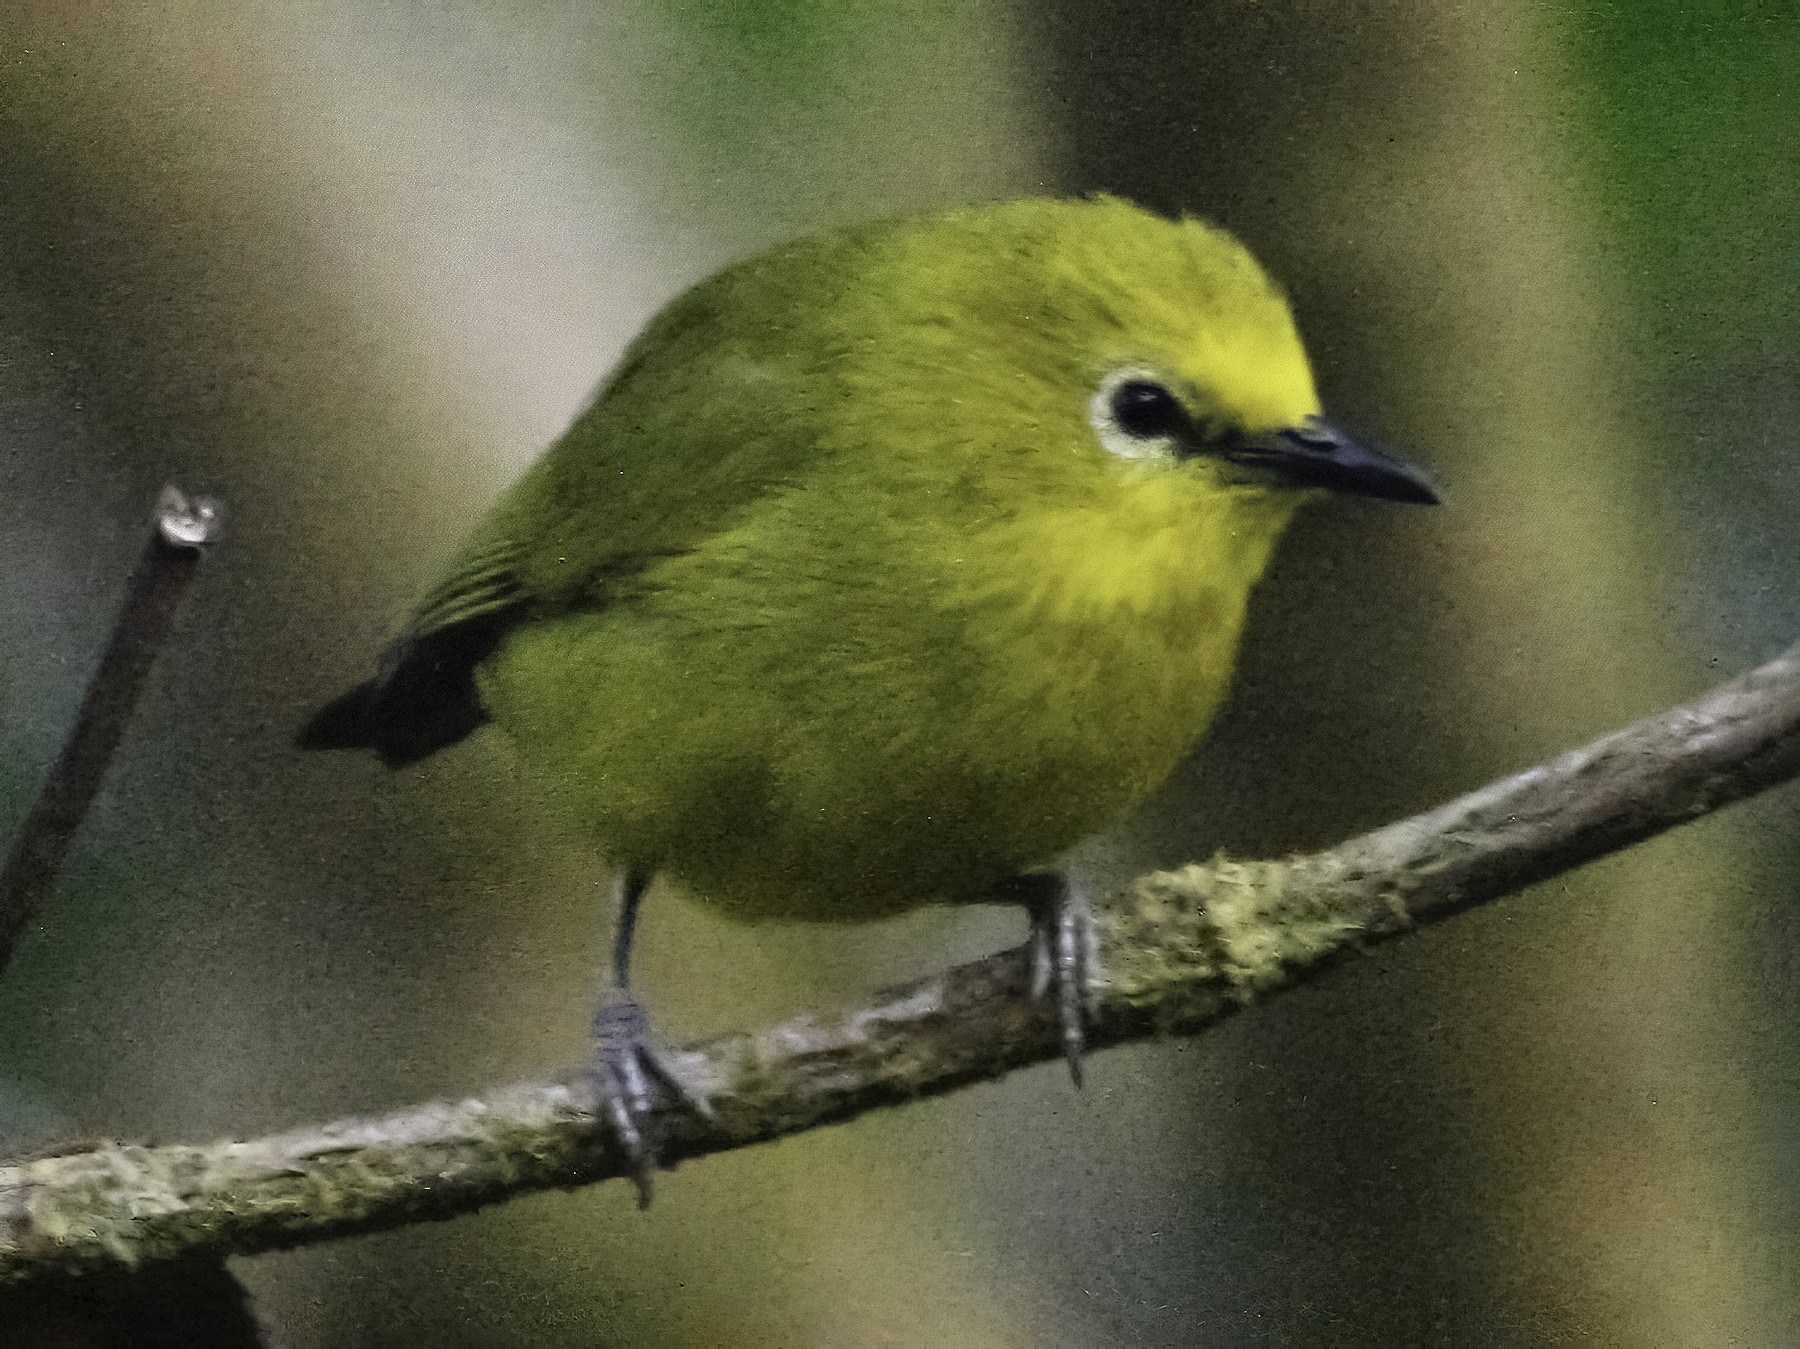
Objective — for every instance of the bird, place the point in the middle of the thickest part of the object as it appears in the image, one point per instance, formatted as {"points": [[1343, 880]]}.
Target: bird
{"points": [[887, 565]]}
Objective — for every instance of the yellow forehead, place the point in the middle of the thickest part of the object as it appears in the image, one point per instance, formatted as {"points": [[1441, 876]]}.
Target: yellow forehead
{"points": [[1231, 350], [1252, 376]]}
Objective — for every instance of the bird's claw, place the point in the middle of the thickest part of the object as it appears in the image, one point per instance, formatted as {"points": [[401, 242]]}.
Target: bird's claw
{"points": [[630, 1073]]}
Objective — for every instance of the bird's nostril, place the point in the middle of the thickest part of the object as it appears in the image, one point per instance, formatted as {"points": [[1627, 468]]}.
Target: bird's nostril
{"points": [[1312, 441]]}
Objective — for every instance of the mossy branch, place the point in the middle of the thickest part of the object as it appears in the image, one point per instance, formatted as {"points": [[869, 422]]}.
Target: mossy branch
{"points": [[1177, 951]]}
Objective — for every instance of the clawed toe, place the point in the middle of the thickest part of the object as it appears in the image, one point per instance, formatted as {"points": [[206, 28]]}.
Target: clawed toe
{"points": [[630, 1073]]}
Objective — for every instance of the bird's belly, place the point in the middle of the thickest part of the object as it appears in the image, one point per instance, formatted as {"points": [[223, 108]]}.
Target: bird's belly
{"points": [[845, 783]]}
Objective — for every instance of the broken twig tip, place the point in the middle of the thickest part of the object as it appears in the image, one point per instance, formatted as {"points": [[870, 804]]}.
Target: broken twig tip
{"points": [[188, 522]]}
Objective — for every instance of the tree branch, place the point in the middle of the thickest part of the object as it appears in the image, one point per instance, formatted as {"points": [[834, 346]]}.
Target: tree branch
{"points": [[1176, 951]]}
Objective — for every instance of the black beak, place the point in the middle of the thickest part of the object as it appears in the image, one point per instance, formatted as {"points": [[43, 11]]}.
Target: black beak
{"points": [[1317, 454]]}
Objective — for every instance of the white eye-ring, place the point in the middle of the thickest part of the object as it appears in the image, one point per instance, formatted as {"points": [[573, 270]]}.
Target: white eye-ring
{"points": [[1136, 416]]}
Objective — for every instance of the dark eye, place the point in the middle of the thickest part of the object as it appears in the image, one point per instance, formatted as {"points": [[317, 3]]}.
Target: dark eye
{"points": [[1146, 410]]}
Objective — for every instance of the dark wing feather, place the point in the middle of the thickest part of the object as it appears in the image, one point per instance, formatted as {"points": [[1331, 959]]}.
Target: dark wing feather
{"points": [[424, 699]]}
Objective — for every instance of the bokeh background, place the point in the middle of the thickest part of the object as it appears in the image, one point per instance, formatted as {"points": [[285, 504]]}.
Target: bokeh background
{"points": [[350, 265]]}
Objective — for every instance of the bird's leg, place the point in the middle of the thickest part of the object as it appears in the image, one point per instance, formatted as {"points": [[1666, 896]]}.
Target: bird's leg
{"points": [[627, 1059], [1060, 934]]}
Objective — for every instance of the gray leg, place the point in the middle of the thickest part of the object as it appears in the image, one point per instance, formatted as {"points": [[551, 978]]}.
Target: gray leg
{"points": [[1059, 955], [626, 1060], [633, 881]]}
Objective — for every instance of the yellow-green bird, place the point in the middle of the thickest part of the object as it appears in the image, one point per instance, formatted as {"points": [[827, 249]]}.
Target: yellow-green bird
{"points": [[887, 565]]}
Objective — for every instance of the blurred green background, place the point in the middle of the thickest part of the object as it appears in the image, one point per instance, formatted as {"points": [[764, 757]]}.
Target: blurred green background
{"points": [[350, 265]]}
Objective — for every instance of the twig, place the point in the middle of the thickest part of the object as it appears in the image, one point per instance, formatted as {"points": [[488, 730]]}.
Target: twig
{"points": [[1177, 951], [183, 528]]}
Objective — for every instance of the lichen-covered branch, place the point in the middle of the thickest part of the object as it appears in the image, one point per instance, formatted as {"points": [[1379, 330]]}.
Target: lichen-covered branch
{"points": [[1176, 952]]}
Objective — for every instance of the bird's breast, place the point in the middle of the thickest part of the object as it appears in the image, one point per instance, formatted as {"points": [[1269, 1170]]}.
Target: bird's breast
{"points": [[1118, 630]]}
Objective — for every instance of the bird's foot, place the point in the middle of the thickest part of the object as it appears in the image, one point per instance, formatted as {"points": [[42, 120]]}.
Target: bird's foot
{"points": [[632, 1075], [1061, 933]]}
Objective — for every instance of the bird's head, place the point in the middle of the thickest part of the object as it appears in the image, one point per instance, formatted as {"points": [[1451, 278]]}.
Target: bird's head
{"points": [[1117, 404], [1083, 342]]}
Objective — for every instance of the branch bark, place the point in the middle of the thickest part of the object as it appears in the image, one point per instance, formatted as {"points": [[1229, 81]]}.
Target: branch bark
{"points": [[1176, 952]]}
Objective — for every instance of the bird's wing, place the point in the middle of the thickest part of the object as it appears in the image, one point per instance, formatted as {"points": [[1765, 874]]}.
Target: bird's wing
{"points": [[706, 414], [423, 697], [483, 582]]}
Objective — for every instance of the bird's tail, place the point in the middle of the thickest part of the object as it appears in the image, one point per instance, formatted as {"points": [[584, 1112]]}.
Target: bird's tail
{"points": [[346, 722], [423, 700]]}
